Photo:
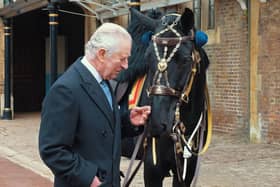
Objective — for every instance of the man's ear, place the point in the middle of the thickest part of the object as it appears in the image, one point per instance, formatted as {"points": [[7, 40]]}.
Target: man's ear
{"points": [[101, 53]]}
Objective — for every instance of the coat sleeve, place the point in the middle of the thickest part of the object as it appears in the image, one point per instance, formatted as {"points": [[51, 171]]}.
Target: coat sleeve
{"points": [[59, 121]]}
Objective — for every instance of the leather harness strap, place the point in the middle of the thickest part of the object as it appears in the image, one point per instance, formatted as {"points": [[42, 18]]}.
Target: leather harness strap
{"points": [[163, 90], [128, 178], [170, 41]]}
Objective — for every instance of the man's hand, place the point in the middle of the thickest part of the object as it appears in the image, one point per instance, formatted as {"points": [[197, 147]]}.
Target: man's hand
{"points": [[139, 115], [96, 182]]}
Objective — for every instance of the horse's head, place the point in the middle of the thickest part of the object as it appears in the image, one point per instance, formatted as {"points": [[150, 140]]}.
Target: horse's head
{"points": [[173, 63]]}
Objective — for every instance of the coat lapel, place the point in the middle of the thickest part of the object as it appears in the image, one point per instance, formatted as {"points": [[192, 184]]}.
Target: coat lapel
{"points": [[95, 92]]}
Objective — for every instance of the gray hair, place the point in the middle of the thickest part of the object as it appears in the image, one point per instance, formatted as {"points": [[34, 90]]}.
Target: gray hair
{"points": [[107, 36]]}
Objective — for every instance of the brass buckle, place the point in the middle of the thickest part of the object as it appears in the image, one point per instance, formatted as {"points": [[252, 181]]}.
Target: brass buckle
{"points": [[185, 98]]}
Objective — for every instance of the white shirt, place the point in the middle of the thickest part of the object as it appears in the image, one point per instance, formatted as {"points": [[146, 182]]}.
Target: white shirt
{"points": [[92, 69]]}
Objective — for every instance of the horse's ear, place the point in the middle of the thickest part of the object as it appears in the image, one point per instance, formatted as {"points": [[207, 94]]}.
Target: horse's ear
{"points": [[187, 20], [143, 19]]}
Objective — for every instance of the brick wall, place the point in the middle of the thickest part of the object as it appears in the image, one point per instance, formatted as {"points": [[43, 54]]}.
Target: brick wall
{"points": [[228, 75], [269, 71], [229, 71]]}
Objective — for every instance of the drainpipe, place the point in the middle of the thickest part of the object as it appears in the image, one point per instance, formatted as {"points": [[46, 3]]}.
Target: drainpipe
{"points": [[211, 18], [197, 13], [249, 64], [53, 23], [7, 112]]}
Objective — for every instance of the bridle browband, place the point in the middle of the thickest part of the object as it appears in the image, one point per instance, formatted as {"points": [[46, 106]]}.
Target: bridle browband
{"points": [[170, 41]]}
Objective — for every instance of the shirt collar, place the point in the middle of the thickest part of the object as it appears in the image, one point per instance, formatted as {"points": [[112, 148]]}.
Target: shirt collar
{"points": [[91, 69]]}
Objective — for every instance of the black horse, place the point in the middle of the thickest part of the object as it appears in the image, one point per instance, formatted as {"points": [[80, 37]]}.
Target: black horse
{"points": [[175, 85]]}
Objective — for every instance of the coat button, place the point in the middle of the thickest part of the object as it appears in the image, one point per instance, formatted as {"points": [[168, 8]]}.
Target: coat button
{"points": [[101, 175], [104, 133]]}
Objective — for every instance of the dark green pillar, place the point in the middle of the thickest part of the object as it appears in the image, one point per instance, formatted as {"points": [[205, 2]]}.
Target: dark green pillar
{"points": [[7, 111], [135, 4], [53, 24]]}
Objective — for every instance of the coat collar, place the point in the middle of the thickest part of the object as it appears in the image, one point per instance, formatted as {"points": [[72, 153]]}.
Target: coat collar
{"points": [[94, 91]]}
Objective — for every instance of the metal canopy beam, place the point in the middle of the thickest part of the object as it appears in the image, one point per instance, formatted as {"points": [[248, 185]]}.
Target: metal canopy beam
{"points": [[21, 6], [113, 8], [146, 5], [102, 9]]}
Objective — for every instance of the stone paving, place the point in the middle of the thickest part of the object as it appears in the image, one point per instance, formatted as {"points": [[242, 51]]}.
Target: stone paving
{"points": [[230, 161], [15, 175]]}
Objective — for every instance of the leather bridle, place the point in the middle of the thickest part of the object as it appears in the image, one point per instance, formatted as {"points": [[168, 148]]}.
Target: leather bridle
{"points": [[159, 89], [181, 145]]}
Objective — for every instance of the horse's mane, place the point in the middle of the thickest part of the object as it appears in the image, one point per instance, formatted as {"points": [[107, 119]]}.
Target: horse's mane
{"points": [[140, 34]]}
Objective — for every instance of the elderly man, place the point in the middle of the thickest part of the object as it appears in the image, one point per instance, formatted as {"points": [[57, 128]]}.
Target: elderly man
{"points": [[80, 132]]}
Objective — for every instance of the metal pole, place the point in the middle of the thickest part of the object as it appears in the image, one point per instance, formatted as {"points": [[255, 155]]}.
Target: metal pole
{"points": [[197, 13], [211, 16], [53, 22], [7, 112], [135, 4]]}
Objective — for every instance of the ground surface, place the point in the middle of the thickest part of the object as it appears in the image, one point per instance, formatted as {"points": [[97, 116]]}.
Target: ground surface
{"points": [[230, 161]]}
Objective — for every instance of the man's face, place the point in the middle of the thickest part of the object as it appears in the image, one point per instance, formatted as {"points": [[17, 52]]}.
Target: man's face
{"points": [[117, 61]]}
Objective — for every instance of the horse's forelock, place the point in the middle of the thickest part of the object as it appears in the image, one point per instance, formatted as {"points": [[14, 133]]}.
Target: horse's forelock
{"points": [[187, 20]]}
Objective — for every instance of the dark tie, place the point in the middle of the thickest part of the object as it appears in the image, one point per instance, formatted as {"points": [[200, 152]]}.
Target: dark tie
{"points": [[107, 92]]}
